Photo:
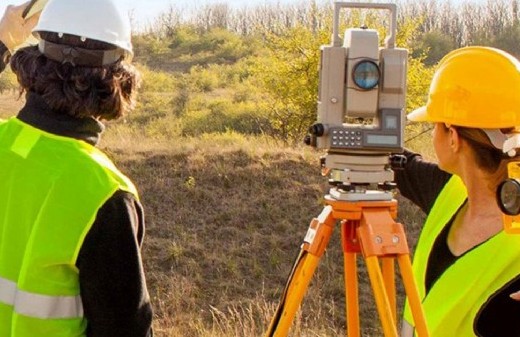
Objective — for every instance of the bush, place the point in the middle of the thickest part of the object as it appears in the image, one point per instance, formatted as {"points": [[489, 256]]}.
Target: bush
{"points": [[151, 106], [434, 45], [157, 81], [168, 127], [204, 79], [222, 116]]}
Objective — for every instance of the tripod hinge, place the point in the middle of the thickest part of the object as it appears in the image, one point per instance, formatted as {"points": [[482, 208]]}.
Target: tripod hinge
{"points": [[319, 232], [383, 240]]}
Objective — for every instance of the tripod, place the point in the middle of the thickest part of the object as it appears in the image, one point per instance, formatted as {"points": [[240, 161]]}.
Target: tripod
{"points": [[367, 227]]}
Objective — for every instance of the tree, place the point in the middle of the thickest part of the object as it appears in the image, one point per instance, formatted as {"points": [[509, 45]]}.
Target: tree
{"points": [[508, 39], [288, 72], [433, 45]]}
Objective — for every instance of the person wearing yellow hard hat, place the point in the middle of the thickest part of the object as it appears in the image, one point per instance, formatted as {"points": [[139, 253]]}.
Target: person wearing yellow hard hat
{"points": [[71, 224], [466, 267]]}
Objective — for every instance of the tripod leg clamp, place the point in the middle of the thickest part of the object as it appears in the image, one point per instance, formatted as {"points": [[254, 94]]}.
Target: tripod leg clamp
{"points": [[319, 233]]}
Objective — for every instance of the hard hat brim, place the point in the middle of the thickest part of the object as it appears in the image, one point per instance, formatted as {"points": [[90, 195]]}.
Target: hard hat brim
{"points": [[418, 115]]}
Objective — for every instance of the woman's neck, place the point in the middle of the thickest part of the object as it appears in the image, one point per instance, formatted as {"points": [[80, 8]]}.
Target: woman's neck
{"points": [[481, 217]]}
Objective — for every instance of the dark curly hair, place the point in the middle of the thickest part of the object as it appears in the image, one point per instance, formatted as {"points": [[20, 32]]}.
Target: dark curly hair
{"points": [[106, 92]]}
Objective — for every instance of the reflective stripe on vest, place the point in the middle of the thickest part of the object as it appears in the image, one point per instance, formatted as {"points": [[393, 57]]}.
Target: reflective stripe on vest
{"points": [[39, 306], [453, 303]]}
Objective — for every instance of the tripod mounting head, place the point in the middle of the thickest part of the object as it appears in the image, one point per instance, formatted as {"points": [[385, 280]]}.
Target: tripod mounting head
{"points": [[361, 101]]}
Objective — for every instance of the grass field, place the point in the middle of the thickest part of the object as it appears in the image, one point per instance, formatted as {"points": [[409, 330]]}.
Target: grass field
{"points": [[226, 215]]}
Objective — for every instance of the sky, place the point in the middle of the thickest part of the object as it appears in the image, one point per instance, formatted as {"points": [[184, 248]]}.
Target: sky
{"points": [[145, 11]]}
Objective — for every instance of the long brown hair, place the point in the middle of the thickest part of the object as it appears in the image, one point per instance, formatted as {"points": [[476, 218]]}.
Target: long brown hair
{"points": [[106, 92]]}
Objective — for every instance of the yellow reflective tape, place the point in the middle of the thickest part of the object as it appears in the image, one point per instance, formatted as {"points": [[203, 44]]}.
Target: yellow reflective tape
{"points": [[39, 306]]}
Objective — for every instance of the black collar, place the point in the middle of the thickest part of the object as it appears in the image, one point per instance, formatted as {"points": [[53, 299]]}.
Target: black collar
{"points": [[38, 114]]}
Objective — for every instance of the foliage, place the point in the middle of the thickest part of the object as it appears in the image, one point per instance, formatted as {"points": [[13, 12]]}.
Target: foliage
{"points": [[157, 81], [491, 23], [288, 73], [186, 46], [507, 39], [433, 46], [221, 116]]}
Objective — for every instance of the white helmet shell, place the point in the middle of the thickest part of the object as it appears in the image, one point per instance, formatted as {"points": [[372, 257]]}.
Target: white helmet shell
{"points": [[99, 20]]}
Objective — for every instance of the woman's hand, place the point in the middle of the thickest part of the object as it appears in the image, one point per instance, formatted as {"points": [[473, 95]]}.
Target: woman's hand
{"points": [[14, 29]]}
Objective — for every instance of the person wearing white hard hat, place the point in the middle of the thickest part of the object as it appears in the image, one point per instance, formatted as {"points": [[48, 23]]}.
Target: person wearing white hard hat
{"points": [[466, 266], [71, 224]]}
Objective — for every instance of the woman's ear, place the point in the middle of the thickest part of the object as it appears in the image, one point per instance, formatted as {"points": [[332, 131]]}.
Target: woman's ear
{"points": [[455, 139]]}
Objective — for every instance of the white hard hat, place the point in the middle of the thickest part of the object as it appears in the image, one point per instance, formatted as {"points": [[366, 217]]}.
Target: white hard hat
{"points": [[99, 20]]}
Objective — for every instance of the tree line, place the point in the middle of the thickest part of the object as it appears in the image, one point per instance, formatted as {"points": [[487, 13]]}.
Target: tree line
{"points": [[494, 23]]}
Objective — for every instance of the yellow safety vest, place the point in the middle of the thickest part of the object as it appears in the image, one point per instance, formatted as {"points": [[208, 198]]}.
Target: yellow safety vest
{"points": [[452, 304], [51, 188]]}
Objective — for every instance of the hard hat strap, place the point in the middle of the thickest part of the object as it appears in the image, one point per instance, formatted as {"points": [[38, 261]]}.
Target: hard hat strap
{"points": [[496, 137], [80, 56]]}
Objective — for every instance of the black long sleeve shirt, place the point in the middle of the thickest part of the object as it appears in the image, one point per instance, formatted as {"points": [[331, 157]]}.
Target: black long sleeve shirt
{"points": [[421, 182], [113, 288]]}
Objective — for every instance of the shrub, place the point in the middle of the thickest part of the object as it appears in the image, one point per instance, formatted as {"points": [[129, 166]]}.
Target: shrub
{"points": [[157, 81], [222, 116], [204, 79]]}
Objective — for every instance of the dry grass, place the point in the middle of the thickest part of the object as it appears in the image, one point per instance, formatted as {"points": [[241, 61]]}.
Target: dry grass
{"points": [[226, 215], [10, 104]]}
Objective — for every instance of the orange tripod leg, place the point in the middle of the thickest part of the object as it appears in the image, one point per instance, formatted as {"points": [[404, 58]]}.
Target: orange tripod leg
{"points": [[381, 236], [388, 267], [315, 243], [350, 249], [295, 292], [383, 304], [413, 295]]}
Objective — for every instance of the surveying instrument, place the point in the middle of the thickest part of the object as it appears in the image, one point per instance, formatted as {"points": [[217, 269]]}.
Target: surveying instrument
{"points": [[360, 123]]}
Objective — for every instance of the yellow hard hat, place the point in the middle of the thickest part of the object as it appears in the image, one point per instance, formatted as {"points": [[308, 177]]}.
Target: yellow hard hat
{"points": [[477, 87]]}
